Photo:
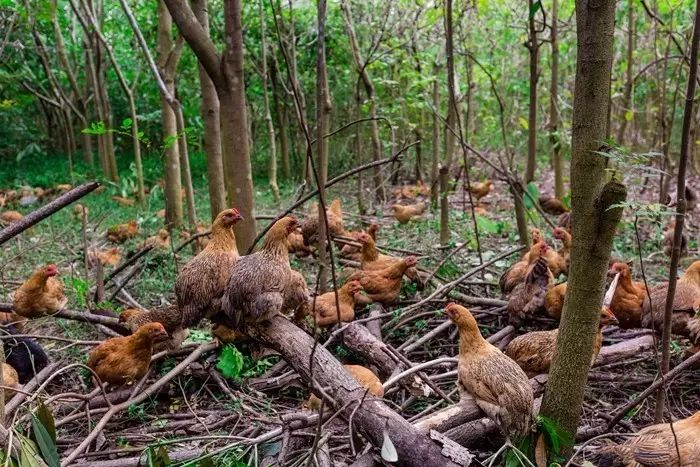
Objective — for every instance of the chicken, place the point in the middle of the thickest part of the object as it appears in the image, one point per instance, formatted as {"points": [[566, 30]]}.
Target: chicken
{"points": [[534, 351], [296, 295], [160, 214], [668, 240], [404, 214], [123, 201], [552, 206], [371, 259], [258, 287], [122, 232], [364, 376], [109, 257], [658, 446], [554, 300], [564, 221], [62, 188], [527, 297], [297, 245], [384, 285], [227, 335], [411, 191], [8, 217], [691, 199], [334, 214], [10, 379], [80, 210], [326, 312], [353, 252], [564, 252], [687, 292], [517, 272], [169, 317], [124, 360], [628, 297], [202, 281], [39, 192], [40, 295], [24, 354], [557, 262], [160, 241], [481, 189], [498, 385]]}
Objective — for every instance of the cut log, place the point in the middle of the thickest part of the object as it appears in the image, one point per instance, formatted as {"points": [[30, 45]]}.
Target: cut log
{"points": [[371, 416]]}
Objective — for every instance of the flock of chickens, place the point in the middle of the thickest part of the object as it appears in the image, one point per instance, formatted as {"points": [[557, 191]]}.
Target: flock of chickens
{"points": [[234, 292]]}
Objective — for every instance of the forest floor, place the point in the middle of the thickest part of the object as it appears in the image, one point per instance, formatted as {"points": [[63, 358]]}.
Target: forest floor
{"points": [[198, 411]]}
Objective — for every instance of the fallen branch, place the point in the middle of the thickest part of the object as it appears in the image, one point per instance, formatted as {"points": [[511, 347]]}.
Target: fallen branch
{"points": [[371, 416], [45, 211], [128, 262]]}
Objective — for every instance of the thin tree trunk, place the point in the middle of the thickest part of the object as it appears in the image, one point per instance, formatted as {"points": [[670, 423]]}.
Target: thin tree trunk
{"points": [[593, 218], [554, 139], [435, 163], [272, 167], [359, 158], [173, 183], [323, 111], [533, 48], [627, 111], [281, 116], [680, 211], [209, 110], [308, 176], [183, 152], [444, 206]]}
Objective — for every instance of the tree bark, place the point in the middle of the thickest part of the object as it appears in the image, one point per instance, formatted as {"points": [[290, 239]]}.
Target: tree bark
{"points": [[173, 184], [209, 109], [323, 112], [183, 152], [554, 138], [593, 218], [680, 210], [629, 77], [272, 167], [435, 163], [282, 123], [444, 206], [533, 47]]}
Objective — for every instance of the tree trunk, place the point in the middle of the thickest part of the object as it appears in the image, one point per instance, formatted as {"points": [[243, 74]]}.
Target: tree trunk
{"points": [[434, 182], [323, 111], [282, 123], [554, 138], [209, 109], [272, 167], [593, 220], [533, 48], [183, 152], [173, 184], [357, 144], [444, 206], [307, 174], [680, 211], [627, 112]]}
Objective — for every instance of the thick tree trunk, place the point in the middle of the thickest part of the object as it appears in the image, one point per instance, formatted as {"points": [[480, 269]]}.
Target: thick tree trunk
{"points": [[554, 138], [627, 112], [209, 109], [593, 220], [173, 184], [323, 112], [533, 48]]}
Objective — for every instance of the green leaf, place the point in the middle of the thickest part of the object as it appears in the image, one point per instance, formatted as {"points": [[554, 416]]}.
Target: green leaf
{"points": [[534, 192], [554, 434], [46, 444], [45, 416], [230, 362], [28, 454], [206, 462], [95, 128], [523, 123], [159, 458], [126, 123], [629, 115], [534, 9]]}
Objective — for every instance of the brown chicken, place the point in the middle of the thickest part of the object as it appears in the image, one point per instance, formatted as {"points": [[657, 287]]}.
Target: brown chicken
{"points": [[122, 232], [296, 296], [258, 287], [353, 252], [297, 246], [123, 201], [527, 297], [169, 317], [62, 188], [517, 272], [552, 206], [13, 319], [80, 210], [498, 385], [371, 259], [564, 252], [668, 240], [554, 300], [40, 295], [655, 446], [691, 199], [687, 292], [481, 189], [557, 262], [534, 351], [384, 285], [628, 297], [124, 360], [364, 376], [404, 214], [160, 241], [10, 379], [8, 217], [411, 191], [564, 221], [309, 226], [108, 257], [324, 305], [202, 281]]}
